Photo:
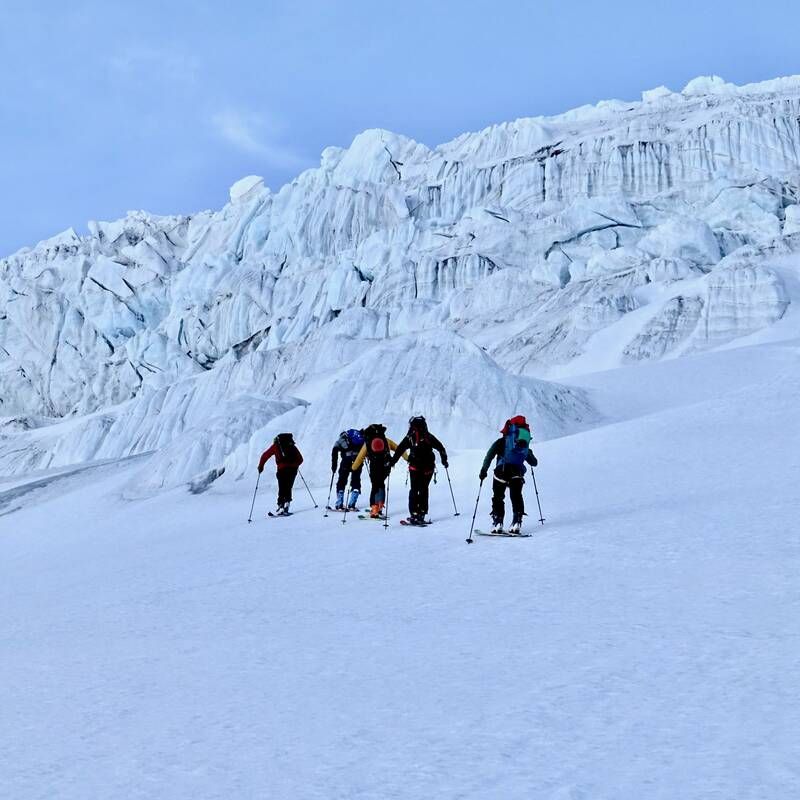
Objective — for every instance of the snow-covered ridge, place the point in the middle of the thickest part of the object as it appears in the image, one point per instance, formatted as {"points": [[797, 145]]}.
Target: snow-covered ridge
{"points": [[548, 246], [710, 88]]}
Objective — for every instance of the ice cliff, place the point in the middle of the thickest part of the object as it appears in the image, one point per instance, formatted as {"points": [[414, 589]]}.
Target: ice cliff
{"points": [[394, 278]]}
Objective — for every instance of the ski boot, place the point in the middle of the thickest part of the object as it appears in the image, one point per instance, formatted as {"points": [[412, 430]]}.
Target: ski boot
{"points": [[375, 511], [339, 500], [354, 493], [283, 510], [417, 519], [497, 524], [516, 525]]}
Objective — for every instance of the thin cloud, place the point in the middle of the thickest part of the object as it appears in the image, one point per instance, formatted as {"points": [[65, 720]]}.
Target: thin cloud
{"points": [[256, 135], [170, 64]]}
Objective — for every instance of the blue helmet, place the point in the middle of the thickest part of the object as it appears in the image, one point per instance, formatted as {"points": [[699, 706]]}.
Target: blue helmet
{"points": [[355, 437]]}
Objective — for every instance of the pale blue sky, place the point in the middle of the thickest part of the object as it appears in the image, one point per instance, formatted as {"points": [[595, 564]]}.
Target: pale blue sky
{"points": [[110, 106]]}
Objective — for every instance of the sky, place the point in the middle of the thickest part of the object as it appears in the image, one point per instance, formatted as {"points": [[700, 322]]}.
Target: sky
{"points": [[107, 107]]}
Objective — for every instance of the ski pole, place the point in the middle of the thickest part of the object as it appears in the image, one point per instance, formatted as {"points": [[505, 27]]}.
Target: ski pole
{"points": [[307, 489], [386, 521], [346, 498], [535, 489], [449, 483], [253, 505], [330, 489], [475, 513]]}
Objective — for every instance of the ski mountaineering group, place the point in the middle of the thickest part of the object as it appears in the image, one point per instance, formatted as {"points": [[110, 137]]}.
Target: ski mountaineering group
{"points": [[370, 445]]}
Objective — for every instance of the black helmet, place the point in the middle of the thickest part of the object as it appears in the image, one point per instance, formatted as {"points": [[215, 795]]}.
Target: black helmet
{"points": [[418, 422]]}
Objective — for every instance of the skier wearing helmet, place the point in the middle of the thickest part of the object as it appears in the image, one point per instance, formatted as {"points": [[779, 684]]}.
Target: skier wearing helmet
{"points": [[420, 444], [512, 451], [287, 461], [376, 450], [347, 446]]}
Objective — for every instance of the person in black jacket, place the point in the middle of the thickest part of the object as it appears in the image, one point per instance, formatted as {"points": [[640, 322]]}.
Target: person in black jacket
{"points": [[420, 444], [512, 451]]}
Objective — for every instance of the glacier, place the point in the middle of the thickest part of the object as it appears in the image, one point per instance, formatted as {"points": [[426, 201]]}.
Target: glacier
{"points": [[467, 281]]}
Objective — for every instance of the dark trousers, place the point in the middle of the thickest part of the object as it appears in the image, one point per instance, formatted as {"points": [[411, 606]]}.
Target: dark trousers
{"points": [[420, 481], [346, 473], [514, 481], [286, 477], [377, 477]]}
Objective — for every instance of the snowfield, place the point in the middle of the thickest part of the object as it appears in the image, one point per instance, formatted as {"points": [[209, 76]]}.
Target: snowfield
{"points": [[644, 643], [626, 275]]}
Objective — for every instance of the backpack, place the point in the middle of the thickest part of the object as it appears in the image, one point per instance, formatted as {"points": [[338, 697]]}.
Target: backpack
{"points": [[419, 438], [285, 443], [517, 443], [418, 431], [375, 438]]}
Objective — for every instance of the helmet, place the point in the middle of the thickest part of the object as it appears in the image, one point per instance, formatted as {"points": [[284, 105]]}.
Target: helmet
{"points": [[354, 436], [417, 422]]}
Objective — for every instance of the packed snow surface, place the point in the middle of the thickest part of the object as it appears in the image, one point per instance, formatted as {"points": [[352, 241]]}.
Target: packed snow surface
{"points": [[643, 643]]}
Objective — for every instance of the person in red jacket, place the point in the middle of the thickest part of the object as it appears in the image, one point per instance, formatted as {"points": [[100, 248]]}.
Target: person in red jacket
{"points": [[287, 461]]}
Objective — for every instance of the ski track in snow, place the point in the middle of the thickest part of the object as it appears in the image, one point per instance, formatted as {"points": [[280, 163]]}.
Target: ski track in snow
{"points": [[643, 644]]}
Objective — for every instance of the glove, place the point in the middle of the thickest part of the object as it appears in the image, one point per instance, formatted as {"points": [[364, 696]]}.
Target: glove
{"points": [[483, 474], [535, 462], [444, 463], [260, 469], [333, 467]]}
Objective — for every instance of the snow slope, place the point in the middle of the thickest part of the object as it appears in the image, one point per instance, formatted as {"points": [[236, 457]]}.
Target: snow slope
{"points": [[608, 235], [643, 644]]}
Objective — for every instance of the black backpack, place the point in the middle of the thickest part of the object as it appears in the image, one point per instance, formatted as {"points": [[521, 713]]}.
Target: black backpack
{"points": [[420, 449], [285, 443], [377, 444]]}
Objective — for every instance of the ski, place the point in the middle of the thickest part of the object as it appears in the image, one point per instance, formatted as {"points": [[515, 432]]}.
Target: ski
{"points": [[505, 534], [274, 515], [410, 524], [342, 511], [367, 516]]}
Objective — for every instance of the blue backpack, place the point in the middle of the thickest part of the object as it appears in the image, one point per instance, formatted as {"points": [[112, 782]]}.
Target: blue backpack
{"points": [[517, 446]]}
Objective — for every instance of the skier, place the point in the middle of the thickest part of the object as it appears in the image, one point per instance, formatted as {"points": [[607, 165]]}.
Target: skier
{"points": [[287, 461], [513, 451], [376, 450], [420, 444], [348, 446]]}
